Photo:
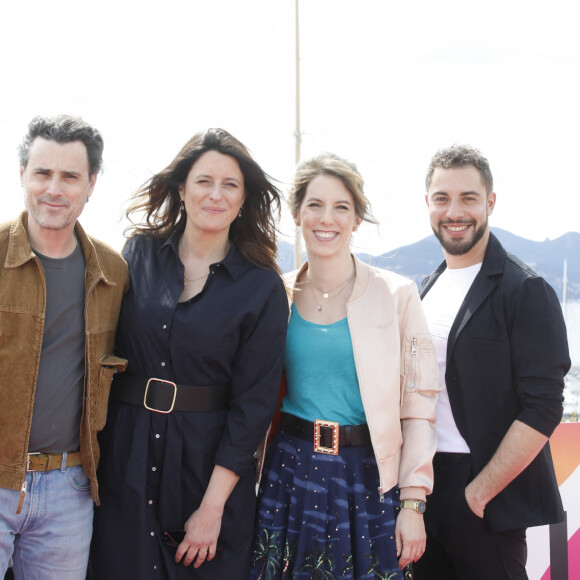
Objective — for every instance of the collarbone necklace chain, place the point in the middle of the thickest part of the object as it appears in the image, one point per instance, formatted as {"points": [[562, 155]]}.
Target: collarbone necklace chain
{"points": [[331, 294], [187, 280]]}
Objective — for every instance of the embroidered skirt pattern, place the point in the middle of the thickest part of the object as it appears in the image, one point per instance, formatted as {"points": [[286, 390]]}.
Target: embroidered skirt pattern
{"points": [[320, 516]]}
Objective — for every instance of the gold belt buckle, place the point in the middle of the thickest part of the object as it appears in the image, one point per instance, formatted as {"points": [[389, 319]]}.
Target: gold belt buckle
{"points": [[318, 424], [147, 390]]}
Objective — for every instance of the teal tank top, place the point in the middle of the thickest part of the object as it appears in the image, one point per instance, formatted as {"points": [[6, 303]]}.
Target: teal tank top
{"points": [[320, 372]]}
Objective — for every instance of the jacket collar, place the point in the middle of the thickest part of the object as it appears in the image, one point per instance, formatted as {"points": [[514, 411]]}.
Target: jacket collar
{"points": [[94, 269], [20, 251], [493, 262], [483, 285], [361, 280]]}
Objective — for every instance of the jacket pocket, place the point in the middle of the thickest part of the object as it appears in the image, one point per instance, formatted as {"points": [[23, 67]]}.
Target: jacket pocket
{"points": [[420, 369], [108, 365]]}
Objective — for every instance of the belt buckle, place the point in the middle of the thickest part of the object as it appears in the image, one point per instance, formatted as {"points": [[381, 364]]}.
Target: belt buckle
{"points": [[319, 424], [172, 402], [28, 461]]}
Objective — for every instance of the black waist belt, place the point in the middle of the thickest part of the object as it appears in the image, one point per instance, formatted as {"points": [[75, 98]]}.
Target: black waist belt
{"points": [[327, 436], [166, 396]]}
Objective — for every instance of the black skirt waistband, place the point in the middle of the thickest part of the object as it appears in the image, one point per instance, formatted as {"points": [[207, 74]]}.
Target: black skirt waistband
{"points": [[166, 396]]}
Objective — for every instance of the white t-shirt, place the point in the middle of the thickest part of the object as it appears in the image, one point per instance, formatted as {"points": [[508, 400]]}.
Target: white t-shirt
{"points": [[441, 305]]}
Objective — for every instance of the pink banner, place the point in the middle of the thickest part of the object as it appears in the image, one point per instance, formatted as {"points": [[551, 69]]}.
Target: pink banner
{"points": [[565, 444]]}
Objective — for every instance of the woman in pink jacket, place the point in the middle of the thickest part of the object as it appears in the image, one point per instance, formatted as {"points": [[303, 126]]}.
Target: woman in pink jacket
{"points": [[348, 472]]}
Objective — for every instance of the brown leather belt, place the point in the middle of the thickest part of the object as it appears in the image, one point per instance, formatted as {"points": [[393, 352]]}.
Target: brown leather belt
{"points": [[327, 436], [50, 461], [164, 396]]}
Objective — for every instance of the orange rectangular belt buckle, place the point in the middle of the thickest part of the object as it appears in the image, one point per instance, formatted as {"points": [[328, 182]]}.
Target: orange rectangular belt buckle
{"points": [[318, 448], [172, 402]]}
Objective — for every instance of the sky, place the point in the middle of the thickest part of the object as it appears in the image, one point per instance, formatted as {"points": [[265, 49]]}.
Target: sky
{"points": [[383, 83]]}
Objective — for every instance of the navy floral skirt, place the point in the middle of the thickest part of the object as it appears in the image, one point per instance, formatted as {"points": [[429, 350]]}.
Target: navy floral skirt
{"points": [[320, 516]]}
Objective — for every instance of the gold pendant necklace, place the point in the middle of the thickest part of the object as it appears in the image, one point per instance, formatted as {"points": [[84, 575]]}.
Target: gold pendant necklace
{"points": [[325, 295]]}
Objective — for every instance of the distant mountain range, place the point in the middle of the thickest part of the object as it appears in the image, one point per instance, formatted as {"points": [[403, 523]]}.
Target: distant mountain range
{"points": [[417, 260]]}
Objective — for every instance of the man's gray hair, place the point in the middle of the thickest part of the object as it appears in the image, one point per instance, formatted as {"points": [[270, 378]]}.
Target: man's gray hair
{"points": [[64, 129]]}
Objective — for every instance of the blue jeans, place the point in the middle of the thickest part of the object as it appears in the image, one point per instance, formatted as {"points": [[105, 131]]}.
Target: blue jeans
{"points": [[50, 538]]}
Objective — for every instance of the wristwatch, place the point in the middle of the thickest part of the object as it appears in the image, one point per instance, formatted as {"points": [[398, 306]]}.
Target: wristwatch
{"points": [[414, 504]]}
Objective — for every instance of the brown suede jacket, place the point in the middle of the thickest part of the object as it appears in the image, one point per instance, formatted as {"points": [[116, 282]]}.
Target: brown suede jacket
{"points": [[22, 303]]}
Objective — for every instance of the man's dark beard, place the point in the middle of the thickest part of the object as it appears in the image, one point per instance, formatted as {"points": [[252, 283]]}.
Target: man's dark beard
{"points": [[459, 247]]}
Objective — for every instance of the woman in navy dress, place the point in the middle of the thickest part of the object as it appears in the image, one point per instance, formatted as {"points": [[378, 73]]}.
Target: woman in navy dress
{"points": [[203, 328], [349, 469]]}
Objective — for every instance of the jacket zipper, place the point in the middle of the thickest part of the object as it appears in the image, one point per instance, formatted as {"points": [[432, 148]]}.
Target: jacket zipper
{"points": [[22, 497], [413, 360]]}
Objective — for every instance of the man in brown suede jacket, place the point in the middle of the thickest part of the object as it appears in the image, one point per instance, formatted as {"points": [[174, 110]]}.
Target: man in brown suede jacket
{"points": [[60, 296]]}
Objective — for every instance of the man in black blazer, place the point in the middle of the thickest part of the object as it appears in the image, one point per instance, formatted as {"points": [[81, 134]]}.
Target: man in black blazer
{"points": [[502, 349]]}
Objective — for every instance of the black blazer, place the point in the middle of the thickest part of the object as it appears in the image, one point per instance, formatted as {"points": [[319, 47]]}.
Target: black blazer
{"points": [[507, 355]]}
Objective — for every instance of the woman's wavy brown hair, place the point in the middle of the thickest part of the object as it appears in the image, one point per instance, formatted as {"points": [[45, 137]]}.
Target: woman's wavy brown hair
{"points": [[254, 231]]}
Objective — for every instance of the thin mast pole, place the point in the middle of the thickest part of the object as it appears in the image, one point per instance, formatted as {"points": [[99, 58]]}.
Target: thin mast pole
{"points": [[298, 136], [565, 288]]}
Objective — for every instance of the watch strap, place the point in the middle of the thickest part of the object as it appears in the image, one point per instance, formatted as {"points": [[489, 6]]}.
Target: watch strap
{"points": [[418, 505]]}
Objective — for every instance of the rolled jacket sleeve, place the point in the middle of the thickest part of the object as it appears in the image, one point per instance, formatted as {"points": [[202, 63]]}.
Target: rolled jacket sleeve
{"points": [[539, 347]]}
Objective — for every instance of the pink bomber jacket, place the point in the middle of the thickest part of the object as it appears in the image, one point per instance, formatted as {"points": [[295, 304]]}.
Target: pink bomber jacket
{"points": [[397, 372]]}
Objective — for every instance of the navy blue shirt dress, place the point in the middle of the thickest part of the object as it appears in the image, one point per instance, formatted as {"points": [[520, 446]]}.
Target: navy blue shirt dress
{"points": [[155, 467]]}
